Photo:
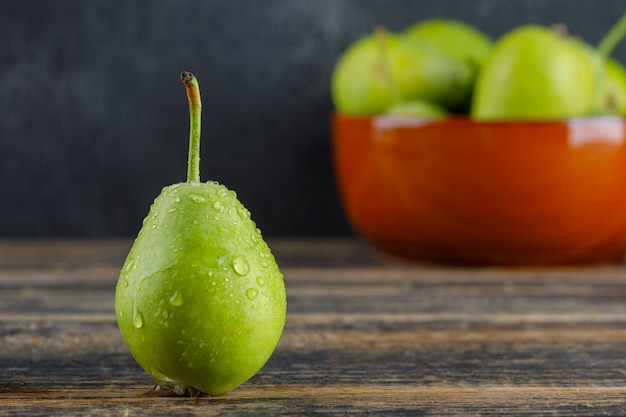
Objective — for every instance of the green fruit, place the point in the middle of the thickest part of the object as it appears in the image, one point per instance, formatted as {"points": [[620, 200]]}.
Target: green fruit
{"points": [[378, 71], [200, 300], [613, 98], [455, 38], [418, 108], [458, 40], [612, 95], [532, 72], [597, 63]]}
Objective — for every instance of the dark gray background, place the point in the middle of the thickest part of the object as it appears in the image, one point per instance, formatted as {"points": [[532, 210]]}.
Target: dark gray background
{"points": [[93, 117]]}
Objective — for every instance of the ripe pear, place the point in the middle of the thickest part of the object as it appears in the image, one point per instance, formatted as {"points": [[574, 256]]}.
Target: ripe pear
{"points": [[459, 40], [200, 300], [454, 37], [417, 108], [612, 94], [613, 97], [597, 62], [533, 72], [387, 68]]}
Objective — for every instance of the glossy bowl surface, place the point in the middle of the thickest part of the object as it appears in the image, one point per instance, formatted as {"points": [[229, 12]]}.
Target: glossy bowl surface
{"points": [[503, 192]]}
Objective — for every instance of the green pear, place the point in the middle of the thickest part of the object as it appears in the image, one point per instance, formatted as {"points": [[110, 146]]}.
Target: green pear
{"points": [[533, 72], [597, 62], [417, 108], [200, 300], [387, 68], [458, 40], [455, 38], [612, 94], [613, 97]]}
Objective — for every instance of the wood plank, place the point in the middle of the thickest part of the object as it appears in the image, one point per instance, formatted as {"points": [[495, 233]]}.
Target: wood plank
{"points": [[61, 253], [368, 400], [71, 253], [364, 335]]}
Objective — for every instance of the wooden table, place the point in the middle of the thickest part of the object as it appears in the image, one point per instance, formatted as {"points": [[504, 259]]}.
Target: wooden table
{"points": [[365, 334]]}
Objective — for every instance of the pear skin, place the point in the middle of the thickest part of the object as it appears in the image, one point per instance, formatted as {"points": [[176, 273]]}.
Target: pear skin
{"points": [[377, 72], [532, 72], [200, 300]]}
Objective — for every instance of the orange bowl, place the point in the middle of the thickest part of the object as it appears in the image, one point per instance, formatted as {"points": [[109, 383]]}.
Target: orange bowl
{"points": [[488, 192]]}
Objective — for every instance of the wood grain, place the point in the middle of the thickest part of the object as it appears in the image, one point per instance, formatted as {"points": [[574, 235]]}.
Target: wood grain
{"points": [[365, 335]]}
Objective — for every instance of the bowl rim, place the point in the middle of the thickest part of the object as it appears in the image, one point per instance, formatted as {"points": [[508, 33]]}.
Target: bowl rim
{"points": [[466, 119]]}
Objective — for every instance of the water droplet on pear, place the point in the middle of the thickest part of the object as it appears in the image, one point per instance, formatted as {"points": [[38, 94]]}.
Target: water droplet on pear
{"points": [[137, 318], [176, 299], [241, 265], [197, 198], [251, 293]]}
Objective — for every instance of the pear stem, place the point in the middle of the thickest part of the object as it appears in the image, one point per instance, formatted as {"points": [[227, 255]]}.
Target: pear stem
{"points": [[611, 39], [195, 112]]}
